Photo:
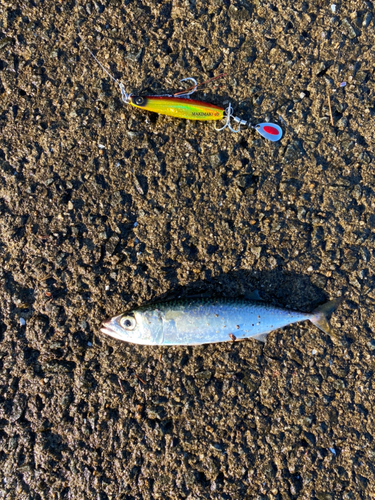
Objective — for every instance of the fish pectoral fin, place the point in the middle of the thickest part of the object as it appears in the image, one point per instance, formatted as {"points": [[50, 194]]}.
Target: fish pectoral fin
{"points": [[173, 315], [262, 337]]}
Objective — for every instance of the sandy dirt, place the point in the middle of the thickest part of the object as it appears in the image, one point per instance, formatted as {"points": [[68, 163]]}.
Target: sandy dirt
{"points": [[104, 208]]}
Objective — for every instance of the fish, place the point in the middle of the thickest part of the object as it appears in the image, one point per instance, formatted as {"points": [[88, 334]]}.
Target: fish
{"points": [[207, 321]]}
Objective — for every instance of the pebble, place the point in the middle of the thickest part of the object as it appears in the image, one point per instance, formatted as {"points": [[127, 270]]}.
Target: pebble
{"points": [[367, 20], [6, 41], [256, 251], [350, 29]]}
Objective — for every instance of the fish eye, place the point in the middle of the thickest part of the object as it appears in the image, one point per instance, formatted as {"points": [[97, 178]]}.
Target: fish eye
{"points": [[139, 101], [128, 322]]}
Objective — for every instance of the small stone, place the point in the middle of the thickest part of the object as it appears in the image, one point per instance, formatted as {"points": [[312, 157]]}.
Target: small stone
{"points": [[323, 496], [342, 123], [6, 41], [204, 375], [328, 80], [154, 413], [272, 262], [256, 251], [290, 153], [351, 32], [338, 384], [218, 159], [367, 19], [134, 55], [320, 69], [132, 134], [19, 404]]}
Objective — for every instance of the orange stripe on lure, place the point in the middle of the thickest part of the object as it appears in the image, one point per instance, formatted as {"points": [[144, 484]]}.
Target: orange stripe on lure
{"points": [[190, 109]]}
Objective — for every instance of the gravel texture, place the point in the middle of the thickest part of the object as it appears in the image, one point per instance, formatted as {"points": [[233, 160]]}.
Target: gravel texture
{"points": [[104, 207]]}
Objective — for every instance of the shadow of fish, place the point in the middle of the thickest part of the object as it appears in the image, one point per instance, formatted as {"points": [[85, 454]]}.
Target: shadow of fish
{"points": [[206, 321]]}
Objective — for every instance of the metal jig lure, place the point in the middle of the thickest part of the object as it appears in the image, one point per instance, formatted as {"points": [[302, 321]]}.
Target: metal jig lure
{"points": [[181, 106]]}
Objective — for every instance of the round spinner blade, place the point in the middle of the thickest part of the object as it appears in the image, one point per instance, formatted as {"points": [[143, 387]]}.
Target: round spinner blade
{"points": [[269, 131]]}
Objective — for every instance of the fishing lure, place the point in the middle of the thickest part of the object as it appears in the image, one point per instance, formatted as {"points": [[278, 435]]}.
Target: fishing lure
{"points": [[181, 106], [206, 321]]}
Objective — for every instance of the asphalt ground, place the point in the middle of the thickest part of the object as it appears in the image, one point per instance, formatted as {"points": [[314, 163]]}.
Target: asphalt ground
{"points": [[104, 207]]}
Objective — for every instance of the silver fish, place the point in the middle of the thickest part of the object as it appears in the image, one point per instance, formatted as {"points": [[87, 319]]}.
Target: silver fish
{"points": [[205, 321]]}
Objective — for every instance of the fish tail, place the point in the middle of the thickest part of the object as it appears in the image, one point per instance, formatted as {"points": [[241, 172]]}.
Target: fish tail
{"points": [[320, 316]]}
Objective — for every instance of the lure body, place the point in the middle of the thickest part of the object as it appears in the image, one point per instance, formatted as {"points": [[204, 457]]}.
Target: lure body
{"points": [[178, 107], [190, 109], [205, 321]]}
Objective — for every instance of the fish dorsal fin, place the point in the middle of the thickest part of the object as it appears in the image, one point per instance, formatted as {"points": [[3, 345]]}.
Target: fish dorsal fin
{"points": [[254, 295]]}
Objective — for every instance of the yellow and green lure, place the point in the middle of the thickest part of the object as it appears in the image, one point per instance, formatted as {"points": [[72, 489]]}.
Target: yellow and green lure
{"points": [[190, 109], [178, 107]]}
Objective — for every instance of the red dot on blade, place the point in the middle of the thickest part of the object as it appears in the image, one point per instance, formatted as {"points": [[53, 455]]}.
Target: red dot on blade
{"points": [[271, 130]]}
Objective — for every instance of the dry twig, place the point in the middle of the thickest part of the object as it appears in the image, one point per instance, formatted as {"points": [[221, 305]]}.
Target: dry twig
{"points": [[330, 109]]}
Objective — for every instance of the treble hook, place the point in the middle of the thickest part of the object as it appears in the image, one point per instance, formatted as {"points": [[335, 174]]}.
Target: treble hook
{"points": [[228, 116], [269, 131]]}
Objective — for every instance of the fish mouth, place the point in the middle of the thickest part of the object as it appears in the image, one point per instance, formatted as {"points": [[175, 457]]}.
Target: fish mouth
{"points": [[106, 328]]}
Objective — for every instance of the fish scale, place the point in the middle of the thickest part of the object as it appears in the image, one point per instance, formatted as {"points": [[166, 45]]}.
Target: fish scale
{"points": [[206, 321]]}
